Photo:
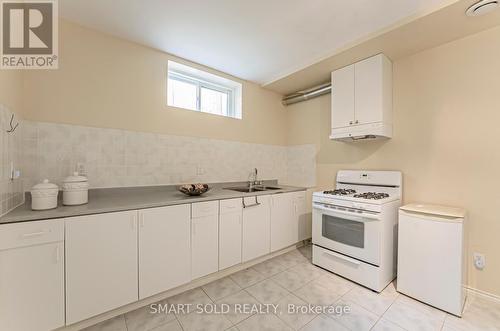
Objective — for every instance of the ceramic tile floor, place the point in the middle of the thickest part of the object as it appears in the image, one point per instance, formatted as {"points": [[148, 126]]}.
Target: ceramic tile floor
{"points": [[292, 279]]}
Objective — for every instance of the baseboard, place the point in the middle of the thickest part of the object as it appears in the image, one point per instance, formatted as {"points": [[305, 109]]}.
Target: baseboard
{"points": [[161, 296], [483, 294]]}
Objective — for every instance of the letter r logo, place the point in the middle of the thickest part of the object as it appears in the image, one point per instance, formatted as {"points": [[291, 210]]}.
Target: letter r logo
{"points": [[27, 27]]}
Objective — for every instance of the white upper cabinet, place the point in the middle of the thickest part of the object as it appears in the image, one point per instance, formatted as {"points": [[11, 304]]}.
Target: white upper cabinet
{"points": [[256, 227], [362, 100], [101, 263], [343, 97], [164, 248], [204, 238]]}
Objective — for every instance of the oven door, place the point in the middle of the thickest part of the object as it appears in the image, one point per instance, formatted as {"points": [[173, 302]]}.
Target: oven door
{"points": [[355, 234]]}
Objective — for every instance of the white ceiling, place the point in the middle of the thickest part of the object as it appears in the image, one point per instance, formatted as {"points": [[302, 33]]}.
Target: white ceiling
{"points": [[257, 40]]}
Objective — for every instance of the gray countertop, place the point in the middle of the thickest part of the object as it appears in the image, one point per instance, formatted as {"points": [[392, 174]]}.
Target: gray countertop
{"points": [[130, 198]]}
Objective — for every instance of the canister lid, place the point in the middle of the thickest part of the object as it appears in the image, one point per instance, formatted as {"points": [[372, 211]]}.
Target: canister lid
{"points": [[45, 185], [75, 178]]}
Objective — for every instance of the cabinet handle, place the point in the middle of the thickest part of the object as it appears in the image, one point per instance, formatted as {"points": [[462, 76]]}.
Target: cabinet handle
{"points": [[350, 122], [356, 122], [33, 234], [252, 205]]}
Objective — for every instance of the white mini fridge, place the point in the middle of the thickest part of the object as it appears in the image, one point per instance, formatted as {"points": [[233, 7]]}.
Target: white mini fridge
{"points": [[431, 255]]}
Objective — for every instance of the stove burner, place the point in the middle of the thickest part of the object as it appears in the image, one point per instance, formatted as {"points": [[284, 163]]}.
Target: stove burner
{"points": [[372, 195], [341, 191]]}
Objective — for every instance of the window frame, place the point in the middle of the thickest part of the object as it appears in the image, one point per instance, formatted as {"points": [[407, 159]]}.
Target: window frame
{"points": [[194, 77]]}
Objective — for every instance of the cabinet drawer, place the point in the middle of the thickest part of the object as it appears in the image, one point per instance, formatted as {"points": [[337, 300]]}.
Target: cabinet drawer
{"points": [[231, 206], [30, 233], [201, 209]]}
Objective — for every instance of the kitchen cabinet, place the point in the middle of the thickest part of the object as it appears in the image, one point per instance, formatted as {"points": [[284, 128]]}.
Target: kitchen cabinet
{"points": [[101, 263], [289, 222], [343, 97], [32, 276], [164, 248], [204, 238], [284, 224], [303, 220], [256, 227], [230, 232], [362, 99]]}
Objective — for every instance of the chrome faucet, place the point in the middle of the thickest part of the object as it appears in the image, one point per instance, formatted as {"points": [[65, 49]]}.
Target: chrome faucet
{"points": [[253, 181]]}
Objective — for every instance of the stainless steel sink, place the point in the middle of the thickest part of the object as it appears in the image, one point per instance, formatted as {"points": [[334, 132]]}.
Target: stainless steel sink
{"points": [[247, 189]]}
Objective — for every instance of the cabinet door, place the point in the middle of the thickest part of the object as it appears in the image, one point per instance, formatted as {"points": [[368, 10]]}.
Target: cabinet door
{"points": [[230, 239], [164, 248], [343, 97], [101, 264], [283, 221], [256, 227], [205, 245], [32, 288], [302, 217], [369, 90]]}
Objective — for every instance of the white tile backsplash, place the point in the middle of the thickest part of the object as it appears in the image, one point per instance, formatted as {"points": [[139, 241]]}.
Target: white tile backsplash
{"points": [[11, 191], [115, 158]]}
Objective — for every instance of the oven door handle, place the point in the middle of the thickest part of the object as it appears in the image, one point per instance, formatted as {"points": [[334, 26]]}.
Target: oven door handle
{"points": [[351, 216]]}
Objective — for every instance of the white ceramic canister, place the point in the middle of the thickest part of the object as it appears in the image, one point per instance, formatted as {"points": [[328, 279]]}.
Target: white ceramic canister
{"points": [[75, 190], [44, 195]]}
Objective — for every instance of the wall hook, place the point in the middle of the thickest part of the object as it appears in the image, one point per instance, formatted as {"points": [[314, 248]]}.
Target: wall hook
{"points": [[12, 128]]}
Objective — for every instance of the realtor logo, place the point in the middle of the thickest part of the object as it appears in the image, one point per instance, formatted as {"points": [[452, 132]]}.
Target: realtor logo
{"points": [[29, 34]]}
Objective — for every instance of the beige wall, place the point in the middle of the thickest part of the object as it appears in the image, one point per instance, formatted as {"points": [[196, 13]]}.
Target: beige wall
{"points": [[446, 138], [107, 82], [11, 89]]}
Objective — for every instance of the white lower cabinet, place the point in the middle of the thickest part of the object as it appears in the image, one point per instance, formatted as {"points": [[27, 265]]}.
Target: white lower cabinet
{"points": [[284, 225], [64, 271], [256, 227], [230, 231], [164, 249], [32, 276], [101, 264], [303, 218], [204, 238]]}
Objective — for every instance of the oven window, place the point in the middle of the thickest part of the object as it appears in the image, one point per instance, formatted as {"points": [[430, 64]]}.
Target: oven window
{"points": [[344, 231]]}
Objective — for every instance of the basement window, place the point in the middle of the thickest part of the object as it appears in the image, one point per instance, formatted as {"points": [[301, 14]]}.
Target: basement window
{"points": [[197, 90]]}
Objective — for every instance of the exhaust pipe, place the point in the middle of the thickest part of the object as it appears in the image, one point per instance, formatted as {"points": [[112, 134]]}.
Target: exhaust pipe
{"points": [[307, 94]]}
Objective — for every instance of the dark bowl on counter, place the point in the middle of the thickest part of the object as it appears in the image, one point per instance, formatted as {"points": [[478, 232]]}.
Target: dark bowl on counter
{"points": [[194, 189]]}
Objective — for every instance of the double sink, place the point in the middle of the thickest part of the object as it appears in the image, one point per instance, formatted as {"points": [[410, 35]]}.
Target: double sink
{"points": [[249, 189]]}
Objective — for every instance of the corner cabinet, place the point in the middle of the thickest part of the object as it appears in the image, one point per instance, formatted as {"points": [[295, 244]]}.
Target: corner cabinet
{"points": [[164, 249], [362, 100], [289, 222], [101, 264]]}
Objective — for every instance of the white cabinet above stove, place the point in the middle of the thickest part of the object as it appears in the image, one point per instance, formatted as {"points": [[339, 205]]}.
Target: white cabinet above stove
{"points": [[362, 100]]}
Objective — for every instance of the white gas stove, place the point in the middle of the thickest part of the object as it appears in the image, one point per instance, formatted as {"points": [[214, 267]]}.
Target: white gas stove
{"points": [[355, 226]]}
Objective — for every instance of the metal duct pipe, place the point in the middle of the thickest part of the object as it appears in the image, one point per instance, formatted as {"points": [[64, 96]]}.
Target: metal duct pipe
{"points": [[307, 94]]}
